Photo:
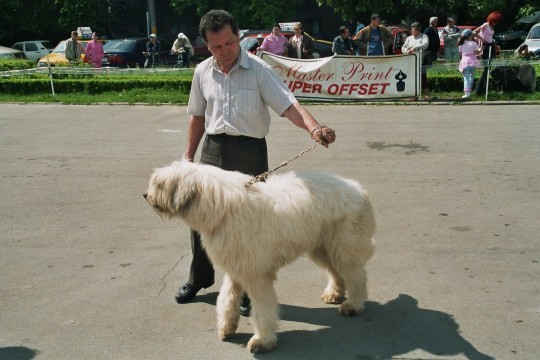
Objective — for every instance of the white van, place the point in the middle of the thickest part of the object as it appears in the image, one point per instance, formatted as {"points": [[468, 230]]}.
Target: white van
{"points": [[34, 50]]}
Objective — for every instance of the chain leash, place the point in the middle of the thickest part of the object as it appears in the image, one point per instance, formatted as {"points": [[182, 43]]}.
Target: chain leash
{"points": [[264, 176]]}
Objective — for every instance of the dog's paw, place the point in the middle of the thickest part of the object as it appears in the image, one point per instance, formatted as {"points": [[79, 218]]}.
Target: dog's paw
{"points": [[332, 298], [227, 330], [256, 345], [347, 309]]}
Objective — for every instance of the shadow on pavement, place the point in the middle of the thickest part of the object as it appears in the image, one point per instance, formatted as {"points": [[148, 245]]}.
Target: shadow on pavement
{"points": [[383, 331], [17, 353]]}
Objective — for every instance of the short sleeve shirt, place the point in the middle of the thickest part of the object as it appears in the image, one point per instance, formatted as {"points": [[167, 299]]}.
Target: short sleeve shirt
{"points": [[237, 103]]}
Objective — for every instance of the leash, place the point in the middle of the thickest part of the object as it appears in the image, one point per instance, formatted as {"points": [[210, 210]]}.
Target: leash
{"points": [[264, 176]]}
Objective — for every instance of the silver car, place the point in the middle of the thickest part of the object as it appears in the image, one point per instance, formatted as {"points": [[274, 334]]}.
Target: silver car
{"points": [[34, 50]]}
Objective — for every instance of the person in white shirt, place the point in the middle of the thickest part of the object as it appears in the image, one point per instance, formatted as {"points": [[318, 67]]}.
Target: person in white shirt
{"points": [[229, 99], [418, 43]]}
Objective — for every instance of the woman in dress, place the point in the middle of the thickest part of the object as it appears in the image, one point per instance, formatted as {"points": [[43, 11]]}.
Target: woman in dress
{"points": [[469, 62]]}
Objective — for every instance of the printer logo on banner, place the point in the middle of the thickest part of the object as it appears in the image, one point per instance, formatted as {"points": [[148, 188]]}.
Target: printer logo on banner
{"points": [[349, 77]]}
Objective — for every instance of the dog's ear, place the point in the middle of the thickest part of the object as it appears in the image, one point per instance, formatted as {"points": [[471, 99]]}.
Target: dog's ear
{"points": [[190, 197]]}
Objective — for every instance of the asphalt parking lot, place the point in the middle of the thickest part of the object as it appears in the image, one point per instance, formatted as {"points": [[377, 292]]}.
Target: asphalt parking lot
{"points": [[89, 271]]}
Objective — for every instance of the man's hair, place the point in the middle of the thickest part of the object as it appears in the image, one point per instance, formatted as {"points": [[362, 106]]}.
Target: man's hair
{"points": [[215, 21], [417, 26], [342, 29], [375, 16]]}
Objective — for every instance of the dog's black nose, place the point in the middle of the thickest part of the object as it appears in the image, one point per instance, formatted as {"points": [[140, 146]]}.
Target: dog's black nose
{"points": [[144, 195]]}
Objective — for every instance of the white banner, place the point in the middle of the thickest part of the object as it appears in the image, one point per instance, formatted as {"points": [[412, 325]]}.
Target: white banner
{"points": [[349, 77]]}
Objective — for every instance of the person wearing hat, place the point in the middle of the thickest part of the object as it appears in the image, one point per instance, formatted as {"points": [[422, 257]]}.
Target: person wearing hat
{"points": [[153, 47], [469, 62], [253, 48], [451, 35], [434, 41], [182, 47]]}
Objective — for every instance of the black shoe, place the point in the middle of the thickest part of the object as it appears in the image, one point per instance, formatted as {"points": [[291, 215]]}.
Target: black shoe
{"points": [[245, 306], [186, 293]]}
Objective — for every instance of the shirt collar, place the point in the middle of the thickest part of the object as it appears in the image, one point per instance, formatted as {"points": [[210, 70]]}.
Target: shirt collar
{"points": [[243, 61]]}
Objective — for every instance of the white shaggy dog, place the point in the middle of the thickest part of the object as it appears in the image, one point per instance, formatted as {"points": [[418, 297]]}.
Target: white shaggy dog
{"points": [[251, 232]]}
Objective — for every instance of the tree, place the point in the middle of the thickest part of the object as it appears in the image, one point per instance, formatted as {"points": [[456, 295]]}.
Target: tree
{"points": [[253, 14]]}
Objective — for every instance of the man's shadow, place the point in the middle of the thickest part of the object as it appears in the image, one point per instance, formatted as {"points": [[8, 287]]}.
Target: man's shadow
{"points": [[383, 331]]}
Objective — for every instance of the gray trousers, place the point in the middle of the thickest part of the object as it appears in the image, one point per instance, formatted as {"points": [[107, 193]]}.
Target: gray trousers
{"points": [[235, 153]]}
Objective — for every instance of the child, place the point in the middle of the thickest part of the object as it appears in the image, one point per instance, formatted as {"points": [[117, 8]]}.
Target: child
{"points": [[469, 62]]}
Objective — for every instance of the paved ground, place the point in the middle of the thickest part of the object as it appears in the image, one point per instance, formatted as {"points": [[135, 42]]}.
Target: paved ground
{"points": [[89, 271]]}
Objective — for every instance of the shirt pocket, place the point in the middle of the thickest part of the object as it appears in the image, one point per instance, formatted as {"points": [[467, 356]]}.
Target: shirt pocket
{"points": [[249, 102]]}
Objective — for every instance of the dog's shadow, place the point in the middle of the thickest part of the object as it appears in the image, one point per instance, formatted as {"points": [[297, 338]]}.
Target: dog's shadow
{"points": [[383, 331]]}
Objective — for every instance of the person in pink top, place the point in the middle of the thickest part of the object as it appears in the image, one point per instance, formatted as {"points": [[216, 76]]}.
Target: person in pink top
{"points": [[94, 51], [485, 34], [275, 43], [469, 62]]}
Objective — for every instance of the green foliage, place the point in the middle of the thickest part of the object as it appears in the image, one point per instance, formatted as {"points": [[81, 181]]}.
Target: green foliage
{"points": [[94, 85], [11, 64], [250, 14]]}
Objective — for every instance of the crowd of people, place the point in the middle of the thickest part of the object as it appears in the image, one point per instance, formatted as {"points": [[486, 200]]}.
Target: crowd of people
{"points": [[375, 39]]}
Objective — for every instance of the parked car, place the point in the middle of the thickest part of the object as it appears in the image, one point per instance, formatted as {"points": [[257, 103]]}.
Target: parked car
{"points": [[400, 34], [34, 50], [200, 50], [533, 39], [517, 33], [58, 55], [461, 29], [129, 52], [9, 53]]}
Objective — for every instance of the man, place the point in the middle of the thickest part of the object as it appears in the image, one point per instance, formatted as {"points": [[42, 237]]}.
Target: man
{"points": [[229, 100], [182, 47], [74, 48], [451, 34], [153, 47], [434, 41], [375, 39], [275, 43], [342, 44]]}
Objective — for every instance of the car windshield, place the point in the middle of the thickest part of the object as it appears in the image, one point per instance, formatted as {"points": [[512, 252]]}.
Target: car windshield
{"points": [[535, 33], [519, 26], [247, 43], [60, 48], [118, 45]]}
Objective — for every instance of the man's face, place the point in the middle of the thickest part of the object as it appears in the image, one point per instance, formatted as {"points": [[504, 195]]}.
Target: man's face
{"points": [[74, 36], [346, 33], [275, 30], [224, 45], [376, 22]]}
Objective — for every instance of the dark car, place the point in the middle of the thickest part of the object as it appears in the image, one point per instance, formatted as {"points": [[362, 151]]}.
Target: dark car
{"points": [[200, 50], [130, 52], [517, 33]]}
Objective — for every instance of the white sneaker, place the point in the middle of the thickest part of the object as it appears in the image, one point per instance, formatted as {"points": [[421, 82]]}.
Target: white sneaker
{"points": [[466, 96]]}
